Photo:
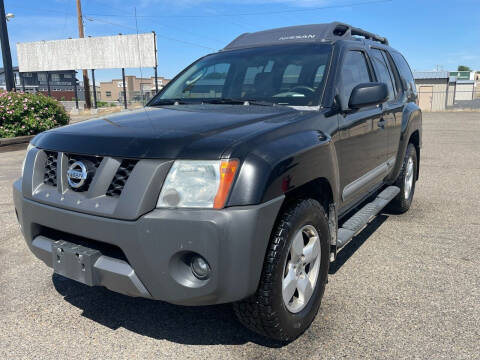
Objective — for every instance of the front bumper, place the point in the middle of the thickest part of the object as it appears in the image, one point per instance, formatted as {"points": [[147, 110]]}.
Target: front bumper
{"points": [[232, 240]]}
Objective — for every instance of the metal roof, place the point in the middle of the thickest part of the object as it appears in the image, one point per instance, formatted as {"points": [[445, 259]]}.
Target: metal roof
{"points": [[430, 75], [303, 34]]}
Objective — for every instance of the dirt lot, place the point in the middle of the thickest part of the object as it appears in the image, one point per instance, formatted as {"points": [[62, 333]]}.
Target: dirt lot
{"points": [[407, 287]]}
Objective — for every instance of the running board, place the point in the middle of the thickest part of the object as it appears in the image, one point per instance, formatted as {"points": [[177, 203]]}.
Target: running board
{"points": [[357, 222]]}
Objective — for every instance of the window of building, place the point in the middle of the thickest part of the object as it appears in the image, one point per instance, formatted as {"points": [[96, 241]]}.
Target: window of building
{"points": [[55, 77], [42, 77], [67, 76], [108, 93], [27, 74]]}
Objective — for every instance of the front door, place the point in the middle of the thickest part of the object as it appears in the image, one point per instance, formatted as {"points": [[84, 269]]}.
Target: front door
{"points": [[361, 143]]}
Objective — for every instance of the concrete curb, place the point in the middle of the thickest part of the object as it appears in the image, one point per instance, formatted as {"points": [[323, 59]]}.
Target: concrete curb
{"points": [[16, 140]]}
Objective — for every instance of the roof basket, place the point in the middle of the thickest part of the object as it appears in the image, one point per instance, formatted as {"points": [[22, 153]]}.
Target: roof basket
{"points": [[345, 30], [303, 33]]}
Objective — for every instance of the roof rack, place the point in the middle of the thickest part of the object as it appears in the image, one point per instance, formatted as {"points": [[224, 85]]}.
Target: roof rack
{"points": [[303, 33]]}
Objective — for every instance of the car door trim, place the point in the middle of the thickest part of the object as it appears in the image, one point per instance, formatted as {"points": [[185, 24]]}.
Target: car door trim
{"points": [[370, 176]]}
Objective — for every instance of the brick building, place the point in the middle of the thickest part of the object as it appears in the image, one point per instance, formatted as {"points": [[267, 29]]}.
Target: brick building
{"points": [[135, 87]]}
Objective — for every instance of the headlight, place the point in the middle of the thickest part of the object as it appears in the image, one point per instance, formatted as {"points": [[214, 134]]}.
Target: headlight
{"points": [[30, 147], [198, 184]]}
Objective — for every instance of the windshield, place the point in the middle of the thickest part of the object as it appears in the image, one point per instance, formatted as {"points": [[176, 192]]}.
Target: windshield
{"points": [[286, 75]]}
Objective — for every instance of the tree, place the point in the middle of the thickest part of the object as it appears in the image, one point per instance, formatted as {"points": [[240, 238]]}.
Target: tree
{"points": [[463, 68]]}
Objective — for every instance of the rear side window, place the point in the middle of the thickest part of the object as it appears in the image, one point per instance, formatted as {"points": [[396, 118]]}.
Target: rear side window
{"points": [[405, 72], [291, 74], [354, 71], [382, 71], [319, 75]]}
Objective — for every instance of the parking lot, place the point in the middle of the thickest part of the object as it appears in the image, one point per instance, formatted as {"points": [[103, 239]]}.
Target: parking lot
{"points": [[407, 287]]}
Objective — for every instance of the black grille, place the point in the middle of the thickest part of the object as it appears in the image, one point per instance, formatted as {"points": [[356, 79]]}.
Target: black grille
{"points": [[50, 176], [121, 177], [92, 163]]}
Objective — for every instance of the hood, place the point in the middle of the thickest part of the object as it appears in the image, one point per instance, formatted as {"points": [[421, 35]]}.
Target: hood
{"points": [[172, 132]]}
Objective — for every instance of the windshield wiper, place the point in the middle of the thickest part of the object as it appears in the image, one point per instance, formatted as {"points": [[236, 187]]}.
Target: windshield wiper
{"points": [[171, 102], [237, 102]]}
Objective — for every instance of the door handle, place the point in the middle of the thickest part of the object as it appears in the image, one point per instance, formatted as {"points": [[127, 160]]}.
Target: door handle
{"points": [[381, 124]]}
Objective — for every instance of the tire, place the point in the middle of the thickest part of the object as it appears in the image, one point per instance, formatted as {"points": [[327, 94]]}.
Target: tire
{"points": [[401, 203], [266, 312]]}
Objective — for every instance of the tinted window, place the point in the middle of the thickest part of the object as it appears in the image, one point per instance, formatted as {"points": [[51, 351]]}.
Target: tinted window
{"points": [[319, 75], [405, 71], [392, 69], [286, 75], [207, 82], [291, 74], [354, 71], [382, 72]]}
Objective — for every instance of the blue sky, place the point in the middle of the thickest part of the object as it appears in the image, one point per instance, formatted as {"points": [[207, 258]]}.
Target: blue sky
{"points": [[429, 33]]}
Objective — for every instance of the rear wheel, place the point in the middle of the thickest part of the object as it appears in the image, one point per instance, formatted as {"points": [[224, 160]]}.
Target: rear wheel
{"points": [[406, 182], [293, 277]]}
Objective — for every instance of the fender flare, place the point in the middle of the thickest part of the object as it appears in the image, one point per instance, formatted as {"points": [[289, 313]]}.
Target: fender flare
{"points": [[411, 122], [284, 164]]}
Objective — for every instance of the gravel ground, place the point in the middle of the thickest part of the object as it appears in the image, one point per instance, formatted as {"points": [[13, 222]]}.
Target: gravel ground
{"points": [[407, 287]]}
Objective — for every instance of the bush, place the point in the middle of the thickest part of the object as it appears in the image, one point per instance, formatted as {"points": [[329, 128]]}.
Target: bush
{"points": [[29, 114], [102, 104]]}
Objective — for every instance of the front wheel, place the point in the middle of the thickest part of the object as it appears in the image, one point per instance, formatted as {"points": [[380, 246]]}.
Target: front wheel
{"points": [[406, 182], [293, 277]]}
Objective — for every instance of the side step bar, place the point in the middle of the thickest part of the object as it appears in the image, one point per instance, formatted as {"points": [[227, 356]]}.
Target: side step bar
{"points": [[357, 222]]}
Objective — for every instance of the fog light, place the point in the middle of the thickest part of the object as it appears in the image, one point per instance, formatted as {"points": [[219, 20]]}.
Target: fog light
{"points": [[200, 267]]}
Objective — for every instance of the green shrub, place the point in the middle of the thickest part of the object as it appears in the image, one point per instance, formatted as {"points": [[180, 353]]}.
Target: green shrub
{"points": [[102, 104], [29, 114]]}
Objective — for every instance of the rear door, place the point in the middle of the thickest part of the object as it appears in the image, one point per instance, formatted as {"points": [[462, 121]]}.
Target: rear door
{"points": [[361, 144], [392, 109]]}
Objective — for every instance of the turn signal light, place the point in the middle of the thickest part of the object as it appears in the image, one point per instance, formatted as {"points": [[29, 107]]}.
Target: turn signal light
{"points": [[228, 169]]}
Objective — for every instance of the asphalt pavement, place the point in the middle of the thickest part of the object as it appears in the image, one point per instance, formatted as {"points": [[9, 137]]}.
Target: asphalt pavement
{"points": [[407, 287]]}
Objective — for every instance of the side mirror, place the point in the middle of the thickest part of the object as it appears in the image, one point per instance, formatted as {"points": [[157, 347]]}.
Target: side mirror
{"points": [[368, 94]]}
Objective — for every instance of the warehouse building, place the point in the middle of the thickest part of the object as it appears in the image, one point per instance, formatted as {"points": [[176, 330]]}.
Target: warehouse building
{"points": [[433, 89]]}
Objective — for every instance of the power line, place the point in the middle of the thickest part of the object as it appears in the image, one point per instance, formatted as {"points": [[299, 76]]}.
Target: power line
{"points": [[162, 36], [253, 13]]}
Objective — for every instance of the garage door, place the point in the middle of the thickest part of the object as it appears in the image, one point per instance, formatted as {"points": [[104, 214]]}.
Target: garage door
{"points": [[425, 96]]}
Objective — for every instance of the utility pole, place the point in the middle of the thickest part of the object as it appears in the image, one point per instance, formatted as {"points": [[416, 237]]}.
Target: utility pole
{"points": [[86, 83], [6, 55]]}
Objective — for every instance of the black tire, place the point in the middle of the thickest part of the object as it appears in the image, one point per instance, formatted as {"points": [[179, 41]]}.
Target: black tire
{"points": [[265, 312], [400, 204]]}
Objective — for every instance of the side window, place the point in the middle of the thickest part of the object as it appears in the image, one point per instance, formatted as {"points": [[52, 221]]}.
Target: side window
{"points": [[291, 74], [405, 72], [318, 76], [354, 71], [382, 72], [251, 74], [392, 68]]}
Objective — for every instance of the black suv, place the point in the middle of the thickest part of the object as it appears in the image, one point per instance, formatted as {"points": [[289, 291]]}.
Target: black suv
{"points": [[239, 182]]}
